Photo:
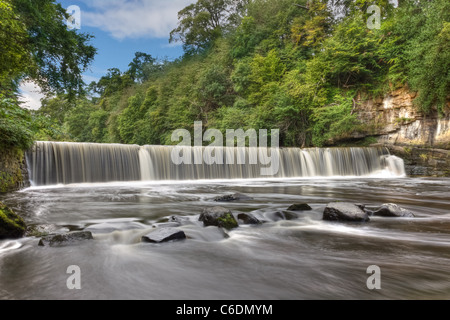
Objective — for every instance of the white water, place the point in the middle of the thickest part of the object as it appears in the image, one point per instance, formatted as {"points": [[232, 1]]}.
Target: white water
{"points": [[53, 163]]}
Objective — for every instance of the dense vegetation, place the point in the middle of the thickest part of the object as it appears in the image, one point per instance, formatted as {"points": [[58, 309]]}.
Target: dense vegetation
{"points": [[36, 45], [291, 65]]}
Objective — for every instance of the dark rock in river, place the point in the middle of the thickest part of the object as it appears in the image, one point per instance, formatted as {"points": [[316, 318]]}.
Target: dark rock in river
{"points": [[300, 207], [284, 215], [43, 230], [164, 235], [232, 197], [343, 211], [393, 210], [218, 217], [246, 218], [11, 225], [65, 239]]}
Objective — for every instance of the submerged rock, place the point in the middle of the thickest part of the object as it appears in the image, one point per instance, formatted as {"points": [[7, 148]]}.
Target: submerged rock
{"points": [[11, 225], [218, 217], [246, 218], [65, 239], [232, 197], [300, 207], [43, 230], [344, 211], [284, 215], [393, 210], [164, 235]]}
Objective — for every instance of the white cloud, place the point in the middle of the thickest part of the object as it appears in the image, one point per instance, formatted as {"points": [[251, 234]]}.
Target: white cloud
{"points": [[30, 95], [134, 18]]}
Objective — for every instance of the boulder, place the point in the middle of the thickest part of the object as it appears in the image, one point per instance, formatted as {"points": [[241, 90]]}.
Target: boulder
{"points": [[232, 197], [284, 215], [218, 217], [393, 210], [300, 207], [246, 218], [11, 225], [43, 230], [164, 235], [65, 239], [343, 211]]}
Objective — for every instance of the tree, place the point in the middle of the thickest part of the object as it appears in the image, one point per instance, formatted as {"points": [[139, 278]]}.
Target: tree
{"points": [[114, 81], [139, 67], [15, 57], [36, 42], [201, 23]]}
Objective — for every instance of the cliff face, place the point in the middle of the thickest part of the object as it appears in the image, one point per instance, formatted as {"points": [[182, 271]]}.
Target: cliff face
{"points": [[13, 171], [422, 140]]}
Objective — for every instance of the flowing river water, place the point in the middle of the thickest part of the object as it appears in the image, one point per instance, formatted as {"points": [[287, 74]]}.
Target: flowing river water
{"points": [[301, 258]]}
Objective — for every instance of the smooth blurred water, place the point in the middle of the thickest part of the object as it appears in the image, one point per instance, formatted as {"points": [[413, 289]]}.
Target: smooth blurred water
{"points": [[305, 258]]}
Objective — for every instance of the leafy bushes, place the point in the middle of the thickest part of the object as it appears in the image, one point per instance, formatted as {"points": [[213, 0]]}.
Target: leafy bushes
{"points": [[273, 64]]}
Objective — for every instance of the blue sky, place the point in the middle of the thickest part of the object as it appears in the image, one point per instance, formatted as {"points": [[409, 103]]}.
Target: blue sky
{"points": [[121, 28]]}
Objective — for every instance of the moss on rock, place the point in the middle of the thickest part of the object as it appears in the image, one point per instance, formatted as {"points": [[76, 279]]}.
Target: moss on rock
{"points": [[11, 225], [13, 171]]}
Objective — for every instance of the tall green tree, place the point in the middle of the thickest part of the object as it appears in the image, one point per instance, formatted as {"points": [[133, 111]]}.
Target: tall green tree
{"points": [[140, 67], [201, 23], [41, 46]]}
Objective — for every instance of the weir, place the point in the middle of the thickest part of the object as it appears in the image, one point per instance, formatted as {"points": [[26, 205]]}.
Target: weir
{"points": [[52, 163]]}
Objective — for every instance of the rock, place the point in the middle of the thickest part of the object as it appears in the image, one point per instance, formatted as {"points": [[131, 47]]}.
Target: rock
{"points": [[300, 207], [218, 217], [164, 235], [65, 239], [232, 197], [43, 230], [343, 211], [284, 215], [180, 220], [247, 218], [11, 225], [393, 210]]}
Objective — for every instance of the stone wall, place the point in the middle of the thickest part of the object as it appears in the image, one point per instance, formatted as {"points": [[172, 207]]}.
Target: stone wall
{"points": [[422, 140], [13, 171]]}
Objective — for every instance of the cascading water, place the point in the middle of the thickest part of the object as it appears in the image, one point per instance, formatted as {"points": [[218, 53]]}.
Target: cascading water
{"points": [[53, 163]]}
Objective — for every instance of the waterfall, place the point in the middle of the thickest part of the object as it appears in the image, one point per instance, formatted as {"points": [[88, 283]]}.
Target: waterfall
{"points": [[52, 163]]}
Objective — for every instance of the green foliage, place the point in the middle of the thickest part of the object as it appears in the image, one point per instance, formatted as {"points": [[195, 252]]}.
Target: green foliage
{"points": [[15, 58], [334, 121], [426, 58], [291, 65], [203, 22], [37, 44], [15, 125]]}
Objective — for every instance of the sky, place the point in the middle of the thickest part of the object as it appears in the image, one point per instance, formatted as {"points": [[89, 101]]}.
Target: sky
{"points": [[121, 28]]}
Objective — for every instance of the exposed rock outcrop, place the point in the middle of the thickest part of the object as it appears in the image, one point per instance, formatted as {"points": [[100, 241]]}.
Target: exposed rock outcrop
{"points": [[161, 235], [393, 210], [218, 217], [65, 239], [422, 140], [11, 225], [13, 171], [343, 211]]}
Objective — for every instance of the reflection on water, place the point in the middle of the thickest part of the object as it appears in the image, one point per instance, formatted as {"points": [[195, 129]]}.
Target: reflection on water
{"points": [[304, 258]]}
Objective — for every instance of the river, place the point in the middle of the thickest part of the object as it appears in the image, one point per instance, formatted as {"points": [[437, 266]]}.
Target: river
{"points": [[303, 258]]}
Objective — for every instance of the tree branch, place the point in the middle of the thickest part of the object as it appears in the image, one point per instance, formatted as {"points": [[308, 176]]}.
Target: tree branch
{"points": [[300, 6]]}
